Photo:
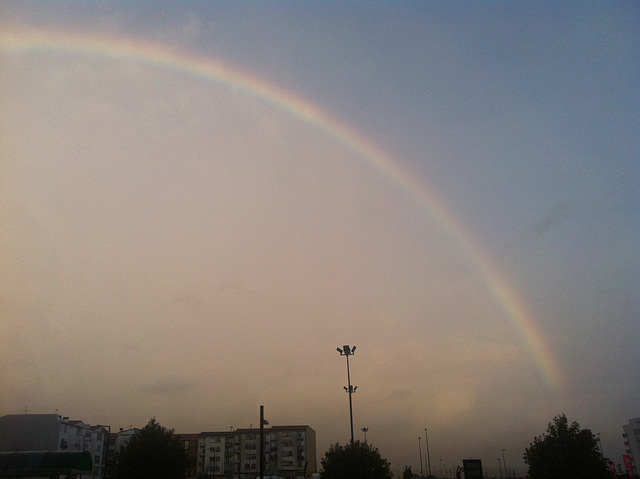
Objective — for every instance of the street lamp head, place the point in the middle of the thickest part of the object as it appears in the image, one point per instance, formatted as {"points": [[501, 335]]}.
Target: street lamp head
{"points": [[346, 350]]}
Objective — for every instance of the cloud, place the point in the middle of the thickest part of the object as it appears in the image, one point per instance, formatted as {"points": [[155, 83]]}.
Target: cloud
{"points": [[556, 215], [171, 385]]}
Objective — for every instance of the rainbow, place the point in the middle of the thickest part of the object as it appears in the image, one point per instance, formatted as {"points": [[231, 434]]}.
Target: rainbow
{"points": [[152, 54]]}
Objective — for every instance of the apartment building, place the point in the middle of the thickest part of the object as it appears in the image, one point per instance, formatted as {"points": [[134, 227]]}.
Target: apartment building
{"points": [[117, 440], [289, 453], [190, 444], [51, 432]]}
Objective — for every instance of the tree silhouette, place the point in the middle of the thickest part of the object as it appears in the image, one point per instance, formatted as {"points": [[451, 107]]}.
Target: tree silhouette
{"points": [[357, 460], [565, 452], [153, 453]]}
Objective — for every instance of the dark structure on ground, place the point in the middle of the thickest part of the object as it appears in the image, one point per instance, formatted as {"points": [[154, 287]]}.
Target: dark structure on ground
{"points": [[51, 464]]}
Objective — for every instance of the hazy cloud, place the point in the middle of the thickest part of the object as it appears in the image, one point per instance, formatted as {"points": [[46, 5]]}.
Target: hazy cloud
{"points": [[171, 386]]}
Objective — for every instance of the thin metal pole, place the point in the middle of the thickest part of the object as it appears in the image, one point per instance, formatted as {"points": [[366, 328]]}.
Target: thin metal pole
{"points": [[420, 454], [261, 442], [504, 464], [428, 455], [348, 351], [350, 402]]}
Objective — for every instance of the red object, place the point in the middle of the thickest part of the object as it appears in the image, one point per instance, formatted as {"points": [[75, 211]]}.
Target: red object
{"points": [[628, 465], [612, 468]]}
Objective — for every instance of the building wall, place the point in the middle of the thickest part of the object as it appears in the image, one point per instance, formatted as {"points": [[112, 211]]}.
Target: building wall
{"points": [[631, 437], [296, 451], [116, 441], [190, 444], [78, 436], [217, 452], [29, 432], [50, 432], [290, 453]]}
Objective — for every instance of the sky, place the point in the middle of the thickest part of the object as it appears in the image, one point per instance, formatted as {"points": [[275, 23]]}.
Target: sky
{"points": [[201, 201]]}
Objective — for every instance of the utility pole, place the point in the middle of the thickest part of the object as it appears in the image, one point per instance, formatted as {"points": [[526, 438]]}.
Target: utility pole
{"points": [[261, 461]]}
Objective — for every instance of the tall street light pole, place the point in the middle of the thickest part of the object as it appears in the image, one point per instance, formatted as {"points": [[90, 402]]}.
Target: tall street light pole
{"points": [[349, 351], [420, 454], [428, 455], [504, 464]]}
